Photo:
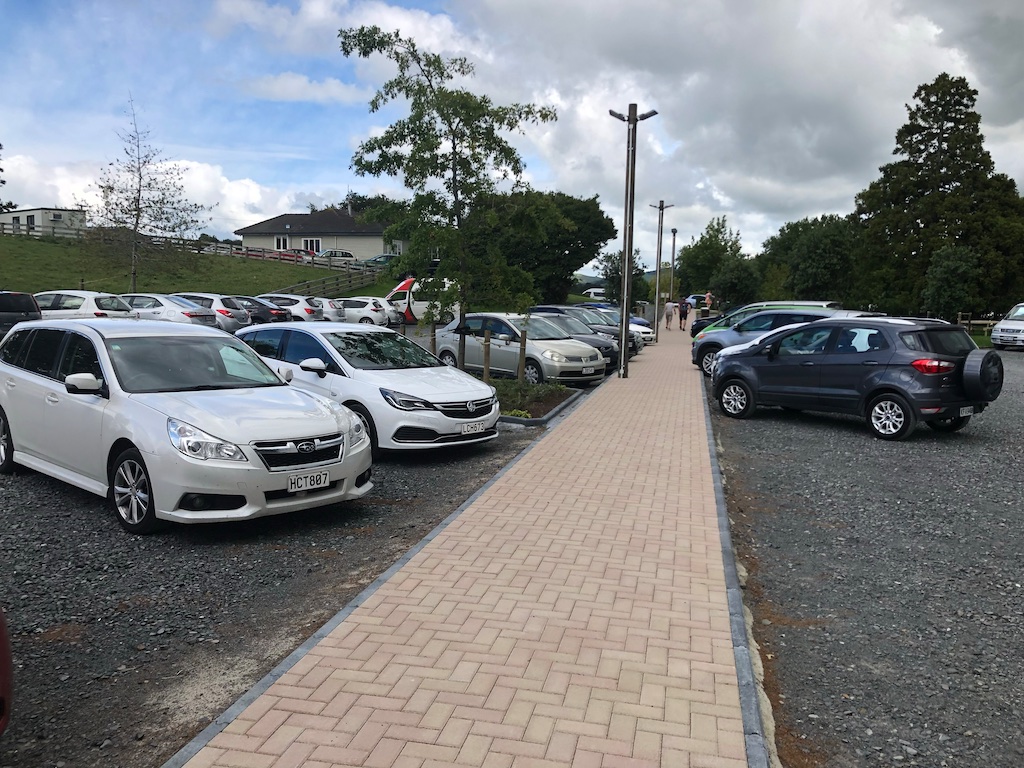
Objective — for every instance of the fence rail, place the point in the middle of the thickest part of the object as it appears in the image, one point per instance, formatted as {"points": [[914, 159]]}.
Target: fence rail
{"points": [[49, 229]]}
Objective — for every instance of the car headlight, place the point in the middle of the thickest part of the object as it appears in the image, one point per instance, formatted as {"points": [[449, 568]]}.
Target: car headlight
{"points": [[196, 444], [405, 402], [556, 357], [356, 431]]}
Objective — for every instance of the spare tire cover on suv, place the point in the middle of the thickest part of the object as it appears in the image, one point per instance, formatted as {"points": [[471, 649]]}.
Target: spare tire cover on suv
{"points": [[983, 375]]}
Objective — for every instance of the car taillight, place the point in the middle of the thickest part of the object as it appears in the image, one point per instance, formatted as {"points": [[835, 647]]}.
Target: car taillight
{"points": [[100, 314], [377, 309], [928, 365], [191, 314], [278, 312], [309, 310], [225, 312]]}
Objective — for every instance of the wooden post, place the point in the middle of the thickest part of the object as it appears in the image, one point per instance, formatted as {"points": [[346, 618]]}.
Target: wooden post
{"points": [[522, 356], [433, 338]]}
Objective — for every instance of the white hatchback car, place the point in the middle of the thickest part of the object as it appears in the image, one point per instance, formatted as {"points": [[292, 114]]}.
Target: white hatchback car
{"points": [[363, 309], [301, 307], [172, 422], [393, 315], [333, 309], [407, 398], [68, 305], [172, 309]]}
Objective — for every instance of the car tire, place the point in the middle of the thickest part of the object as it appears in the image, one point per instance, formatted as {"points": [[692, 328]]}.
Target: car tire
{"points": [[131, 494], [735, 399], [533, 373], [6, 445], [952, 424], [366, 320], [706, 359], [983, 375], [368, 425], [890, 417], [448, 359]]}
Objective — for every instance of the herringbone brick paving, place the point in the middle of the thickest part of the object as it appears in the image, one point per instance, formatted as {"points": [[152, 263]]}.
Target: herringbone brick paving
{"points": [[574, 614]]}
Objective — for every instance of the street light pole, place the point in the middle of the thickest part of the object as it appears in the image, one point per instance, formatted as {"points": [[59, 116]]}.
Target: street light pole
{"points": [[627, 250], [657, 270], [673, 283]]}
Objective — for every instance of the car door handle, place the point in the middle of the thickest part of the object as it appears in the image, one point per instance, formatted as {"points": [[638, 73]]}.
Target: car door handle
{"points": [[870, 362], [52, 399], [806, 364]]}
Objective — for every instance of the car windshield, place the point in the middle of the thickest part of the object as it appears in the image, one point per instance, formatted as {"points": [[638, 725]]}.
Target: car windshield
{"points": [[187, 364], [380, 351], [1017, 313], [569, 324], [538, 328]]}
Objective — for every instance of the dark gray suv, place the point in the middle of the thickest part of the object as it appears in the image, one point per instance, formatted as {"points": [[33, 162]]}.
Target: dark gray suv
{"points": [[15, 307], [893, 372]]}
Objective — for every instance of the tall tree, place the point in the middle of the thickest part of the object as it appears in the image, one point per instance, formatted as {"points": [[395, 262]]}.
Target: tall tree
{"points": [[5, 206], [449, 151], [702, 257], [610, 267], [141, 195], [550, 235], [943, 191], [810, 259]]}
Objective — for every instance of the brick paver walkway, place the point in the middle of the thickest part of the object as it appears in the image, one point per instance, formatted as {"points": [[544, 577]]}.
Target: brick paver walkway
{"points": [[574, 614]]}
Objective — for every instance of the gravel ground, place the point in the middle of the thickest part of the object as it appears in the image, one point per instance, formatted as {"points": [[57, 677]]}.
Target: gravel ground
{"points": [[125, 648], [885, 580]]}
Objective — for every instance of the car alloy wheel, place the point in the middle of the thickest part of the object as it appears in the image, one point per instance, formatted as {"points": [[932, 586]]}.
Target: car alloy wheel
{"points": [[707, 360], [533, 373], [448, 359], [6, 445], [736, 399], [890, 417], [132, 493]]}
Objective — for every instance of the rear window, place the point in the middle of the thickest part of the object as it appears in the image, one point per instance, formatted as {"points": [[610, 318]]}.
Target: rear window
{"points": [[943, 341], [18, 302]]}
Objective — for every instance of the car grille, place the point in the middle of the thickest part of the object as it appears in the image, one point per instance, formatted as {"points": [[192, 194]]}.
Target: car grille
{"points": [[588, 359], [462, 410], [424, 435], [289, 454]]}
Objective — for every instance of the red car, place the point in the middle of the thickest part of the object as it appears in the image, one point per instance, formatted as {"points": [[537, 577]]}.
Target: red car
{"points": [[6, 674]]}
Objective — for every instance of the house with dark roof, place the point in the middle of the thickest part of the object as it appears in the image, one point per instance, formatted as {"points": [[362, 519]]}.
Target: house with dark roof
{"points": [[329, 229]]}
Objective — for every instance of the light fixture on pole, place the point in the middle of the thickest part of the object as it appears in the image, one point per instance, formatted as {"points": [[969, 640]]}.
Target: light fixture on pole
{"points": [[627, 249], [657, 269]]}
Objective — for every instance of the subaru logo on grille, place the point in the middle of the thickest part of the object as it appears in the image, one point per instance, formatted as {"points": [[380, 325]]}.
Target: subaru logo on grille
{"points": [[471, 406], [307, 446]]}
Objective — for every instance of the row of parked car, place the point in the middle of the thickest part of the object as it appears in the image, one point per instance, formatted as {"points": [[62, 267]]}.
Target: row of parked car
{"points": [[893, 372], [173, 419]]}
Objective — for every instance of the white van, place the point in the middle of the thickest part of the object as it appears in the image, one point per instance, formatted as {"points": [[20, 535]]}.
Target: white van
{"points": [[1009, 332], [412, 299], [597, 294]]}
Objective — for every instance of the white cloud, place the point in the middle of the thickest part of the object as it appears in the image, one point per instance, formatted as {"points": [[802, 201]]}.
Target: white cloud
{"points": [[290, 86]]}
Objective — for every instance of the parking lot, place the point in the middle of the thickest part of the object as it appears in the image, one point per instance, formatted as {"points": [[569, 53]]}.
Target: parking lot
{"points": [[886, 582]]}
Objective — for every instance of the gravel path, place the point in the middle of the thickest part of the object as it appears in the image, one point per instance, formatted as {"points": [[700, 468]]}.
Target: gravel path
{"points": [[125, 648], [886, 583]]}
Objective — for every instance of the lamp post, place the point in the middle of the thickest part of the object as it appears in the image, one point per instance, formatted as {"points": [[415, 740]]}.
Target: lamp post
{"points": [[657, 270], [627, 249], [673, 283]]}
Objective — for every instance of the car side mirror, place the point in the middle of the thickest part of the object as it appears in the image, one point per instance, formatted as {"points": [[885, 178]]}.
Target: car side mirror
{"points": [[286, 374], [504, 337], [314, 365], [84, 384]]}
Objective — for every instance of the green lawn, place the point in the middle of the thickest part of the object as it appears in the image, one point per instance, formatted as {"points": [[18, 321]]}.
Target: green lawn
{"points": [[33, 265]]}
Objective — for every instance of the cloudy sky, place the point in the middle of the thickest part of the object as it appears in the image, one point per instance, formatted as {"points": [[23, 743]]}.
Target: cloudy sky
{"points": [[768, 112]]}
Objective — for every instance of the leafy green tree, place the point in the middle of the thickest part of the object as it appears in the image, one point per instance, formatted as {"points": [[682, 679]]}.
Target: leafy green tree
{"points": [[549, 235], [610, 268], [5, 206], [810, 259], [951, 283], [736, 281], [141, 195], [942, 192], [701, 259], [449, 151]]}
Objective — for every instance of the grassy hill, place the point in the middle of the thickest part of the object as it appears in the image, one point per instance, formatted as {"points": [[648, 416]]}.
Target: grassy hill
{"points": [[33, 265]]}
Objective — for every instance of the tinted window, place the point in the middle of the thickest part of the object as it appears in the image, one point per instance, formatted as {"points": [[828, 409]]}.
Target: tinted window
{"points": [[143, 302], [68, 302], [302, 346], [45, 300], [201, 301], [17, 302], [762, 322], [944, 341], [375, 351], [806, 341], [79, 357], [230, 303], [111, 304], [266, 343], [42, 351], [9, 351]]}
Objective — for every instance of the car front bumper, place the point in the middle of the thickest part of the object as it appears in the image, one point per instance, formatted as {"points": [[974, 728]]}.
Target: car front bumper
{"points": [[418, 430], [183, 486]]}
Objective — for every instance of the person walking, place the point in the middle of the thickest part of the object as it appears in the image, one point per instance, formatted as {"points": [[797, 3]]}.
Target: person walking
{"points": [[670, 308], [684, 312]]}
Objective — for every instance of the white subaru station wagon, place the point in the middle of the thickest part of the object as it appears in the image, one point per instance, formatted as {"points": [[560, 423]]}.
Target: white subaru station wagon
{"points": [[172, 422]]}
